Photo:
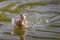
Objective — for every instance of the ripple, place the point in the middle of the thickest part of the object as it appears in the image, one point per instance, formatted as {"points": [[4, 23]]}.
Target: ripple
{"points": [[48, 31], [39, 37]]}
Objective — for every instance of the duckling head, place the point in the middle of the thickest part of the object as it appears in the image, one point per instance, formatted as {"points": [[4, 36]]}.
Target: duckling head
{"points": [[22, 21]]}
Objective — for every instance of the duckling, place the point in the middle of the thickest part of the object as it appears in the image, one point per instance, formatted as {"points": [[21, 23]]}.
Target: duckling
{"points": [[22, 21], [20, 27]]}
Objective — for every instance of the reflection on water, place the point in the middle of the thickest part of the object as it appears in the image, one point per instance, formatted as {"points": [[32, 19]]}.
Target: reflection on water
{"points": [[43, 17], [21, 32]]}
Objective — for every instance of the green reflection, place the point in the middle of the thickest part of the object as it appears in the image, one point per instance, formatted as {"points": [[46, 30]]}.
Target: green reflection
{"points": [[4, 18], [22, 6], [2, 0], [1, 39], [54, 2], [21, 32], [1, 25], [8, 8], [48, 31], [35, 4], [7, 33], [39, 37], [55, 26], [54, 12]]}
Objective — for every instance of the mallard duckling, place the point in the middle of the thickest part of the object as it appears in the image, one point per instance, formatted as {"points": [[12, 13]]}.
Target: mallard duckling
{"points": [[20, 27], [22, 21]]}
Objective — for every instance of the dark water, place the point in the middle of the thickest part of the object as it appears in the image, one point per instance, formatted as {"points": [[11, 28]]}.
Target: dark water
{"points": [[43, 17]]}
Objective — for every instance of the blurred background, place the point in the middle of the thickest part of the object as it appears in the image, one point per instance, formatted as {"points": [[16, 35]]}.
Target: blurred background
{"points": [[43, 17]]}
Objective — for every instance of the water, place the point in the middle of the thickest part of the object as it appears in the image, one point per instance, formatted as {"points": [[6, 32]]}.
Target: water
{"points": [[43, 17]]}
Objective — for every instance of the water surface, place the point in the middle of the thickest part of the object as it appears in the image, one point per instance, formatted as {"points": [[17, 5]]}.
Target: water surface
{"points": [[43, 17]]}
